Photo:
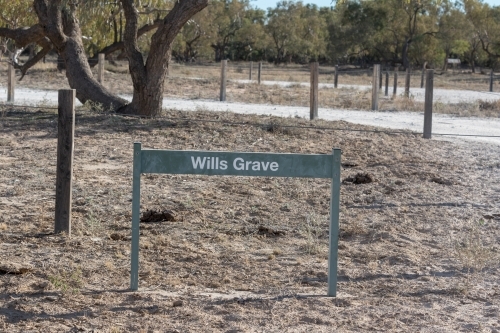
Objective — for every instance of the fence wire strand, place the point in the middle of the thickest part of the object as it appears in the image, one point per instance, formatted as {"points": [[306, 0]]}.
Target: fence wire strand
{"points": [[407, 132], [268, 70], [27, 106], [268, 125], [457, 87]]}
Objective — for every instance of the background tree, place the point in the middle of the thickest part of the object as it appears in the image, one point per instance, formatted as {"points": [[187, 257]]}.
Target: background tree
{"points": [[452, 34], [354, 29], [251, 40], [146, 33], [192, 41], [226, 18], [283, 27], [296, 31], [409, 21], [474, 52], [486, 24], [314, 34]]}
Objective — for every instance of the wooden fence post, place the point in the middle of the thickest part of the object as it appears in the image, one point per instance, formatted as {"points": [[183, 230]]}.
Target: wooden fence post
{"points": [[223, 72], [375, 86], [250, 72], [380, 77], [11, 83], [259, 72], [314, 90], [407, 82], [336, 77], [491, 80], [386, 83], [429, 86], [64, 172], [395, 90], [100, 68], [423, 75]]}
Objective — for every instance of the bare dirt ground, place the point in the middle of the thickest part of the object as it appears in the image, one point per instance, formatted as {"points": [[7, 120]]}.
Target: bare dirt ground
{"points": [[418, 249]]}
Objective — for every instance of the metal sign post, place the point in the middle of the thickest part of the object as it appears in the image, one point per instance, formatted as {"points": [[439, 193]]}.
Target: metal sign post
{"points": [[212, 163]]}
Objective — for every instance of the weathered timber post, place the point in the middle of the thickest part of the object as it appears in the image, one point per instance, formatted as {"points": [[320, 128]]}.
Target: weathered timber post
{"points": [[380, 78], [11, 83], [491, 80], [259, 72], [395, 90], [100, 68], [250, 72], [336, 77], [375, 86], [429, 87], [64, 172], [407, 83], [387, 83], [423, 75], [314, 90], [223, 72]]}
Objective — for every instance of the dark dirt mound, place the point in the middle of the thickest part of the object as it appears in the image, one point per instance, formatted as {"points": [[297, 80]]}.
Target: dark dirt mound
{"points": [[359, 178], [153, 215]]}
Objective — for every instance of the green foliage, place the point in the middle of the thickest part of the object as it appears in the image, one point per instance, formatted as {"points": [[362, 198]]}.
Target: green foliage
{"points": [[356, 29], [486, 25], [191, 42], [352, 31], [251, 39], [297, 32], [17, 13]]}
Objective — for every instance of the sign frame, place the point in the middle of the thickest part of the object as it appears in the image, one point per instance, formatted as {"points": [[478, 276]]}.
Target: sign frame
{"points": [[210, 163]]}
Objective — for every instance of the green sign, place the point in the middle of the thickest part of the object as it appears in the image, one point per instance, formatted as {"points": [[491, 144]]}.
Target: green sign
{"points": [[212, 163]]}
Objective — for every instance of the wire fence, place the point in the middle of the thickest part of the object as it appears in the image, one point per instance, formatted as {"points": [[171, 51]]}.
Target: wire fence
{"points": [[288, 85], [345, 77], [269, 125], [299, 73]]}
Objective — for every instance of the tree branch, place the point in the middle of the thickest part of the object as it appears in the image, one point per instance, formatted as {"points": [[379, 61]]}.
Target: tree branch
{"points": [[430, 33], [50, 19], [486, 48], [162, 39], [135, 60], [117, 46], [24, 36], [46, 48]]}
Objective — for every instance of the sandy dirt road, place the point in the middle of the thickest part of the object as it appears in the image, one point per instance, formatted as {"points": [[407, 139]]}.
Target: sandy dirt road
{"points": [[442, 124]]}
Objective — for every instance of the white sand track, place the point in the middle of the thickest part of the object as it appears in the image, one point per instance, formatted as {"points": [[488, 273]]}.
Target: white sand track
{"points": [[442, 124]]}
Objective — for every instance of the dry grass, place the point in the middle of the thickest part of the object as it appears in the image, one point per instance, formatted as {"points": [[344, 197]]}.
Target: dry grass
{"points": [[247, 253], [474, 247]]}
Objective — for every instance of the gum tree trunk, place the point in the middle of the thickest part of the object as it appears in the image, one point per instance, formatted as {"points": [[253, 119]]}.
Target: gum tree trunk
{"points": [[62, 28], [149, 78], [404, 53]]}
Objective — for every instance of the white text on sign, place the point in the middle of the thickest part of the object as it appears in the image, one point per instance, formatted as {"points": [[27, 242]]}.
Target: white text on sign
{"points": [[214, 163]]}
